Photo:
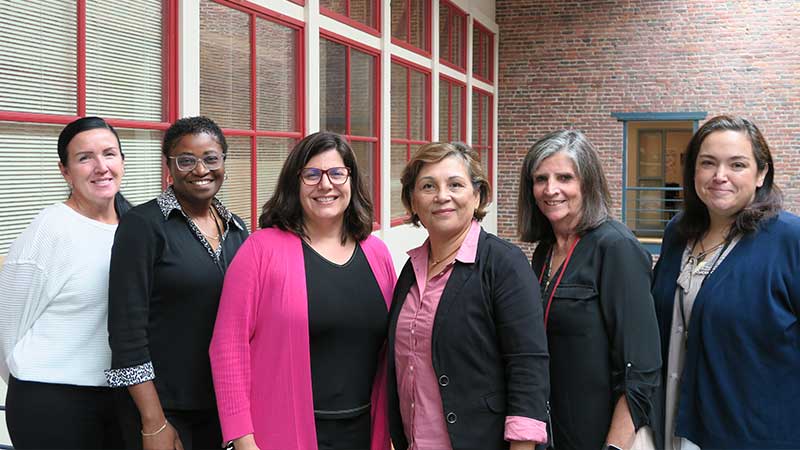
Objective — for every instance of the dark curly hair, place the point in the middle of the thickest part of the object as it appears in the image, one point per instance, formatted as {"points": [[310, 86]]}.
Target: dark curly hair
{"points": [[192, 126]]}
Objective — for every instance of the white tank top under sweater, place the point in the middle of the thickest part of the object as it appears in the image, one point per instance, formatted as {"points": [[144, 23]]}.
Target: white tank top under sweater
{"points": [[54, 300]]}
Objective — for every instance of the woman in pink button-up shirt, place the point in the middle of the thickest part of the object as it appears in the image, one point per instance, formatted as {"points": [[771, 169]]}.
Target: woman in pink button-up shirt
{"points": [[467, 350]]}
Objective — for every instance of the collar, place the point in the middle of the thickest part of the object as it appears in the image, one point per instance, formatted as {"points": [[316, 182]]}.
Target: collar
{"points": [[467, 253], [168, 202]]}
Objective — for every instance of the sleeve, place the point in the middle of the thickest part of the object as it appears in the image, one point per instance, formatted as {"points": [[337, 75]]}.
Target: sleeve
{"points": [[230, 344], [22, 300], [629, 313], [133, 258], [520, 330]]}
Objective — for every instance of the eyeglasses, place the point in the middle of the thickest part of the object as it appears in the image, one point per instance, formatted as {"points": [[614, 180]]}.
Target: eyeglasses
{"points": [[187, 163], [311, 176]]}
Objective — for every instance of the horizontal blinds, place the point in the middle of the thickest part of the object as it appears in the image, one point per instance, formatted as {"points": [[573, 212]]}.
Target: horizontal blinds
{"points": [[38, 57], [142, 149], [235, 192], [272, 153], [29, 176], [125, 59]]}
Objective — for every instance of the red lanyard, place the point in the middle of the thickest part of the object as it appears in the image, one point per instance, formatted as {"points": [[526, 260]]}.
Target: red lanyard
{"points": [[558, 280]]}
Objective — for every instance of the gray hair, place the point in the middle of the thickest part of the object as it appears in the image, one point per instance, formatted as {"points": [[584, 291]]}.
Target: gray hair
{"points": [[532, 225]]}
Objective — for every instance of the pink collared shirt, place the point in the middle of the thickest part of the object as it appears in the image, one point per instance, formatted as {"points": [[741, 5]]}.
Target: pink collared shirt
{"points": [[417, 386]]}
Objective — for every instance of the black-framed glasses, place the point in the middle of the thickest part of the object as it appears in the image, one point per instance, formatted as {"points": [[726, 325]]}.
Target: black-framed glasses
{"points": [[187, 163], [311, 176]]}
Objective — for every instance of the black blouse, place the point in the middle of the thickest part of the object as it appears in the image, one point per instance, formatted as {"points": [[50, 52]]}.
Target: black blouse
{"points": [[347, 320], [164, 286], [602, 335]]}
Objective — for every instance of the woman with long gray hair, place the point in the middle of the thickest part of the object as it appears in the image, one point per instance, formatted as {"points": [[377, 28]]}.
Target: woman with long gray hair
{"points": [[595, 283]]}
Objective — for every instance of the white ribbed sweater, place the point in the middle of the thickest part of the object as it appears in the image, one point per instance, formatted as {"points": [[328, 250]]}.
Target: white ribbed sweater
{"points": [[54, 300]]}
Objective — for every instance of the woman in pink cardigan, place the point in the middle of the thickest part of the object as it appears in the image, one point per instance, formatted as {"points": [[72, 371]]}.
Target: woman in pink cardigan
{"points": [[298, 352]]}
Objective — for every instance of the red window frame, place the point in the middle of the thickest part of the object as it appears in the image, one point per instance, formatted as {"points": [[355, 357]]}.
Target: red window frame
{"points": [[375, 140], [485, 38], [170, 99], [406, 44], [476, 124], [407, 140], [449, 82], [258, 12], [347, 20], [452, 11]]}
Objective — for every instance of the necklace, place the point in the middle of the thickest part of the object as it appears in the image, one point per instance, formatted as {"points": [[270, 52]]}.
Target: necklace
{"points": [[197, 224], [435, 262]]}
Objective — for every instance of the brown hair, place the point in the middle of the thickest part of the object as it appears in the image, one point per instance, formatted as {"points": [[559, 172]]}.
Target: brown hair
{"points": [[433, 153], [283, 210], [768, 200]]}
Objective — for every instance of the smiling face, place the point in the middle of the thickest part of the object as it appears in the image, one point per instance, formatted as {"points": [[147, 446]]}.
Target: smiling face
{"points": [[726, 175], [325, 203], [557, 190], [94, 167], [444, 197], [198, 185]]}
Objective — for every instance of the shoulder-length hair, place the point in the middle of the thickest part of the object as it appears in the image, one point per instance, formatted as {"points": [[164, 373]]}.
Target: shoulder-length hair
{"points": [[532, 225], [434, 152], [768, 200], [283, 210]]}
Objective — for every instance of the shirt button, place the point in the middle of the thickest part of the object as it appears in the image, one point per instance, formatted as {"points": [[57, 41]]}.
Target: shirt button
{"points": [[451, 417], [412, 331], [444, 380], [411, 368], [412, 404]]}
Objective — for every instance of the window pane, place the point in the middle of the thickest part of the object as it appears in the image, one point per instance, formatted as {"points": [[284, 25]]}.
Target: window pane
{"points": [[420, 23], [38, 57], [485, 158], [399, 100], [486, 118], [29, 176], [458, 40], [650, 155], [142, 148], [332, 86], [398, 163], [456, 124], [400, 19], [363, 11], [272, 153], [235, 192], [364, 152], [476, 119], [337, 6], [276, 71], [419, 106], [224, 65], [445, 26], [362, 93], [124, 59], [444, 110]]}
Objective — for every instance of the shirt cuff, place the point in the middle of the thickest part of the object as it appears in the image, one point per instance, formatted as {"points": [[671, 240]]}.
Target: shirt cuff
{"points": [[525, 429], [129, 376]]}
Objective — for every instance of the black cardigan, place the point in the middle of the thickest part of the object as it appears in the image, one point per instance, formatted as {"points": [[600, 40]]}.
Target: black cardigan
{"points": [[488, 340], [602, 335]]}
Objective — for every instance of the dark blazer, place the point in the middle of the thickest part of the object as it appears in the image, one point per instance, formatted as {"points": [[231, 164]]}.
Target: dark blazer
{"points": [[602, 335], [740, 386], [489, 343]]}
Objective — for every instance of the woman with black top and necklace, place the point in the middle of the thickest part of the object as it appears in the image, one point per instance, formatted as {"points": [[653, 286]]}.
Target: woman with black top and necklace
{"points": [[168, 262], [298, 347], [598, 312], [727, 294]]}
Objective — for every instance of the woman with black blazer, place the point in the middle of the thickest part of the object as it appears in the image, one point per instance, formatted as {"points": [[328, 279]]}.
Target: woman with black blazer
{"points": [[467, 351]]}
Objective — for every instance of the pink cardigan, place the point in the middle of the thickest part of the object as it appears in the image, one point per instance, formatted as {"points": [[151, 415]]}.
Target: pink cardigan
{"points": [[260, 350]]}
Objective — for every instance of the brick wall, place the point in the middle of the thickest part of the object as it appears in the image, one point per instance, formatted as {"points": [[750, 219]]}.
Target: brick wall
{"points": [[573, 63]]}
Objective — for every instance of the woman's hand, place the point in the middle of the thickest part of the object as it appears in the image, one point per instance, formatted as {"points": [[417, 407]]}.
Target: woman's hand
{"points": [[167, 439], [246, 442], [522, 445]]}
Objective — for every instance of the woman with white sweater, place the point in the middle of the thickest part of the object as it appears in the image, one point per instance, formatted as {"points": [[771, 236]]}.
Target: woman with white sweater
{"points": [[54, 302]]}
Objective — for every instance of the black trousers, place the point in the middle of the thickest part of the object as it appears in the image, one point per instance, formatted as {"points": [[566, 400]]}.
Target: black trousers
{"points": [[61, 416], [198, 429]]}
